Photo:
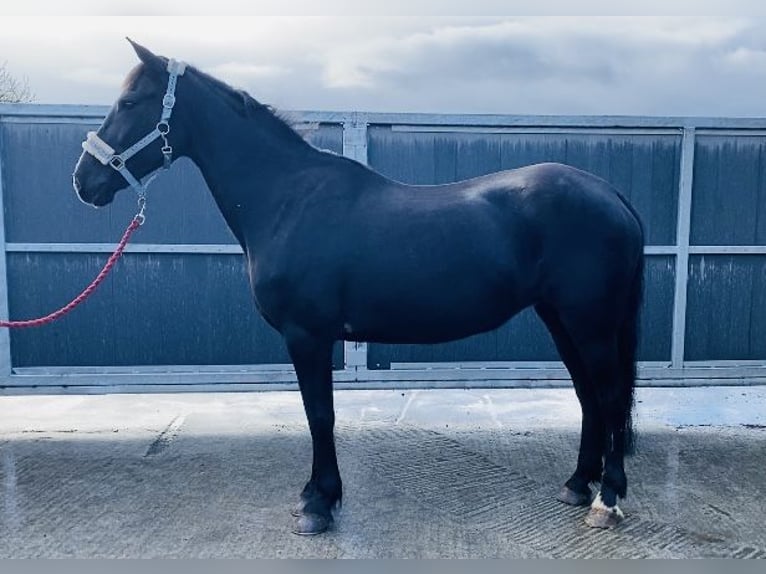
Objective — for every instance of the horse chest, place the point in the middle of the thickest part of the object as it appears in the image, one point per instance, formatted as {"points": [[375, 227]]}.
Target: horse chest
{"points": [[270, 288]]}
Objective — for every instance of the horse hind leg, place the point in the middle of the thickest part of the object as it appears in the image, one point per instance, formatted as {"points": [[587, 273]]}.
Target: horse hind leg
{"points": [[602, 360], [577, 491]]}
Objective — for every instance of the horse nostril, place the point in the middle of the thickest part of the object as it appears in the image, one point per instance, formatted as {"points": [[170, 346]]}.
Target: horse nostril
{"points": [[76, 183]]}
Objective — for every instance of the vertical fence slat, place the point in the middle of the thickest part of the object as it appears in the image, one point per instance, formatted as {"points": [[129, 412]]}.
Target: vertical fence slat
{"points": [[686, 182], [355, 147]]}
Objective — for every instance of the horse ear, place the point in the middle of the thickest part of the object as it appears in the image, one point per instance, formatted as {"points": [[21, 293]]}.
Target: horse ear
{"points": [[146, 56]]}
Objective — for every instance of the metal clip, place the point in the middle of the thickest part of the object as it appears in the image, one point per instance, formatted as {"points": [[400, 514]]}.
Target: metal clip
{"points": [[140, 218], [163, 127], [168, 101]]}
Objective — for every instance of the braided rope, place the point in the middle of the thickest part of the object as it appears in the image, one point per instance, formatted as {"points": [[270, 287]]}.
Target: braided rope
{"points": [[113, 258]]}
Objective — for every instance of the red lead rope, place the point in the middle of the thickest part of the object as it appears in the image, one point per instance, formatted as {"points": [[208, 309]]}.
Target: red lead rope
{"points": [[135, 224]]}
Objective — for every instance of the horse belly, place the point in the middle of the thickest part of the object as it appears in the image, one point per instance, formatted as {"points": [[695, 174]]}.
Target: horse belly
{"points": [[417, 309]]}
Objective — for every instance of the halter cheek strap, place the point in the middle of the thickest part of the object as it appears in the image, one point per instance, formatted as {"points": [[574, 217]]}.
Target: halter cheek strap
{"points": [[104, 153]]}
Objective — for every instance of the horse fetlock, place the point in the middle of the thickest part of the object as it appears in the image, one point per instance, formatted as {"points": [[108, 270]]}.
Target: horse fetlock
{"points": [[614, 485], [319, 501], [330, 482], [573, 497], [319, 489]]}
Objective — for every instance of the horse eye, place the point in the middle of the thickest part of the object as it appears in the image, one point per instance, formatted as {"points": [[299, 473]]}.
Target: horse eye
{"points": [[127, 104]]}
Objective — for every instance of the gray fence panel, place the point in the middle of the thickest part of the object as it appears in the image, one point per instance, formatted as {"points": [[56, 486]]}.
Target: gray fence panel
{"points": [[38, 161], [729, 205], [726, 317], [327, 136], [155, 309], [656, 317]]}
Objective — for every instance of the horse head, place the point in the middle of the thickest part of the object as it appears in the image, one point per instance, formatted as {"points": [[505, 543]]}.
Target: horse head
{"points": [[134, 141]]}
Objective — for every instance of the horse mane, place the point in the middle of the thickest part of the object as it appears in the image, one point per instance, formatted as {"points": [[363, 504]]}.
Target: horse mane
{"points": [[248, 107]]}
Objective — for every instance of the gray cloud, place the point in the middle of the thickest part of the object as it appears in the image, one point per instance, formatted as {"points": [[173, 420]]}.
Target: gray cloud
{"points": [[649, 66], [559, 66]]}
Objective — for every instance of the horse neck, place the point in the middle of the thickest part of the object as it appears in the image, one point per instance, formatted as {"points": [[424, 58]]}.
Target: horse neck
{"points": [[242, 159]]}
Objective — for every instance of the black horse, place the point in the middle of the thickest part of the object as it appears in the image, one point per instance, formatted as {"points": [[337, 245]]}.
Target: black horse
{"points": [[336, 251]]}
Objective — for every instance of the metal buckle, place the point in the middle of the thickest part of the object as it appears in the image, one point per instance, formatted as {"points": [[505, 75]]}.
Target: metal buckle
{"points": [[168, 101], [116, 162], [167, 156], [163, 127]]}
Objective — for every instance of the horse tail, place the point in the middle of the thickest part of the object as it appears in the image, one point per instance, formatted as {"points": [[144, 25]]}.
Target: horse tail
{"points": [[627, 340]]}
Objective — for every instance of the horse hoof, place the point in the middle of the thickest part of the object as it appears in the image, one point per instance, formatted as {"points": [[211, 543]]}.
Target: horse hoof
{"points": [[569, 496], [603, 518], [311, 525]]}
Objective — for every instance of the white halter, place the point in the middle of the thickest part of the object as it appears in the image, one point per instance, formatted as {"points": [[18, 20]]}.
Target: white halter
{"points": [[104, 153]]}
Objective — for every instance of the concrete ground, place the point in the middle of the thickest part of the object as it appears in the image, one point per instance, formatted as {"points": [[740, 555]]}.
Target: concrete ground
{"points": [[444, 473]]}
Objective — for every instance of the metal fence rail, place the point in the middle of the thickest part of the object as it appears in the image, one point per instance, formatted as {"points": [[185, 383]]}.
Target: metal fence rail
{"points": [[706, 316]]}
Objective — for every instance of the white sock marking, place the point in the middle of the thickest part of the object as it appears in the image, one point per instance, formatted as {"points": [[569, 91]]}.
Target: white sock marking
{"points": [[598, 504]]}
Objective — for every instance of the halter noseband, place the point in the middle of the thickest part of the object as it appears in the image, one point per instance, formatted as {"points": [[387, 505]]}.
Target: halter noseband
{"points": [[104, 153]]}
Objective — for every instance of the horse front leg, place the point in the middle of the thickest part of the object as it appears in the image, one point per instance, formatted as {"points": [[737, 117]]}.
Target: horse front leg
{"points": [[312, 358]]}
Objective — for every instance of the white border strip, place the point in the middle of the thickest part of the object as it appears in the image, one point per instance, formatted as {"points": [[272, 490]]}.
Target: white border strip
{"points": [[5, 338]]}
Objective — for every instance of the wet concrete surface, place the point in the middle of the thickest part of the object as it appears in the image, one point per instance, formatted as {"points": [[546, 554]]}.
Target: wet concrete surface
{"points": [[443, 473]]}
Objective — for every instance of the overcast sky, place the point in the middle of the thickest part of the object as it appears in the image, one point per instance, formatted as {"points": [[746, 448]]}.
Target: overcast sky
{"points": [[477, 59]]}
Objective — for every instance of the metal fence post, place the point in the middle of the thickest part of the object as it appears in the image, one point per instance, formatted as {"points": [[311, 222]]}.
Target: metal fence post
{"points": [[683, 232], [5, 338], [355, 147]]}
